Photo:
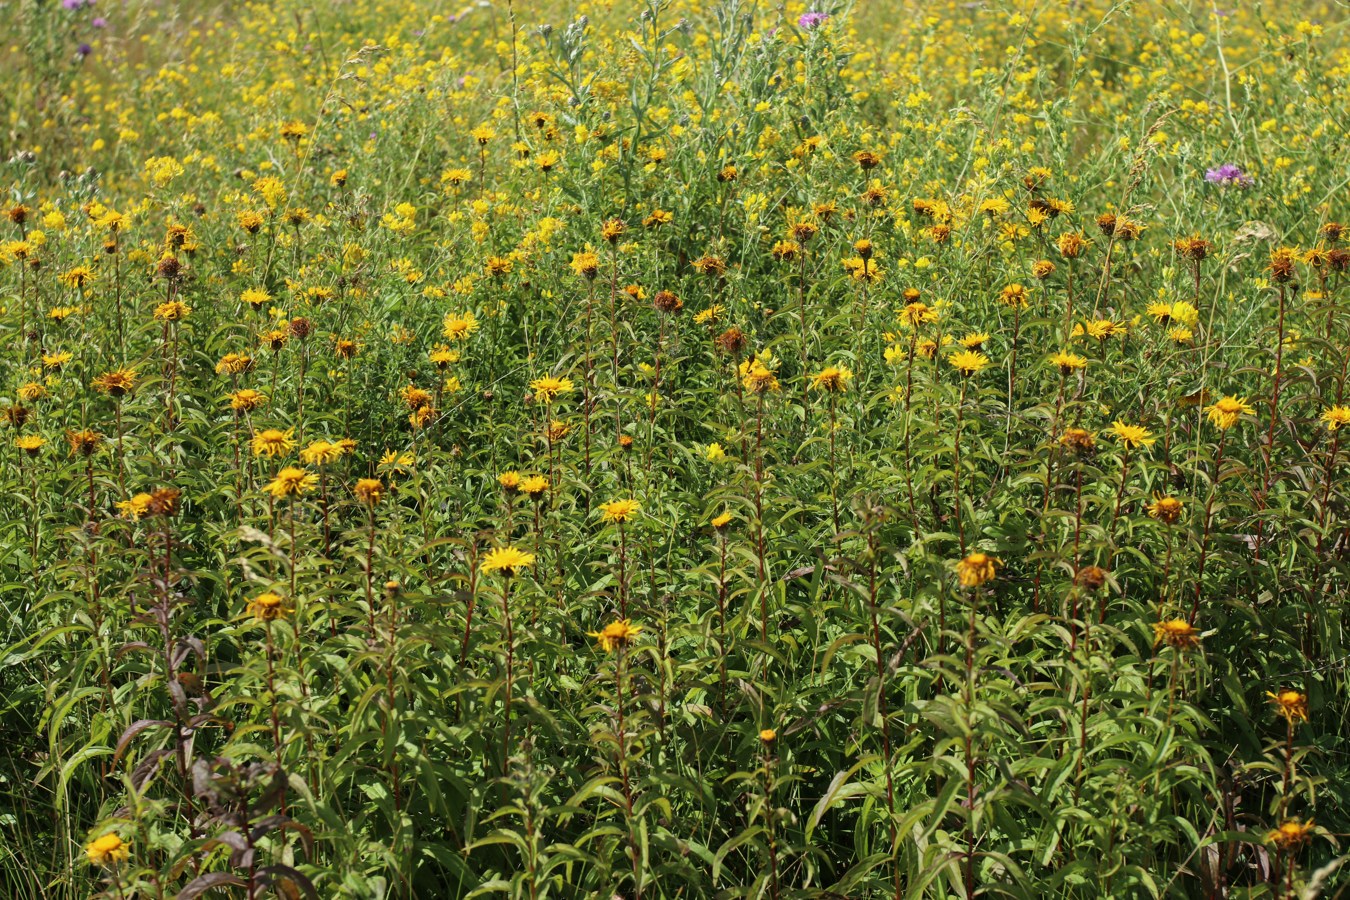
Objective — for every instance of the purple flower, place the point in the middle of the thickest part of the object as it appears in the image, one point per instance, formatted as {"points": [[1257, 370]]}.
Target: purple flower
{"points": [[812, 20], [99, 22], [74, 4], [1228, 175], [84, 50]]}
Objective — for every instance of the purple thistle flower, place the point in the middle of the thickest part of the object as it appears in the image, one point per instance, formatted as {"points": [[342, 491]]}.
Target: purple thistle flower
{"points": [[84, 50], [99, 22], [812, 20], [1228, 175]]}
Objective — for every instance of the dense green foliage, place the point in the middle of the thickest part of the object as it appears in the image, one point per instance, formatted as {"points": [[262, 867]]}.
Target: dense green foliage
{"points": [[674, 450]]}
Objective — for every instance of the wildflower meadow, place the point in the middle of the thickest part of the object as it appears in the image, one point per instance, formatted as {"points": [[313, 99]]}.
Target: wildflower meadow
{"points": [[674, 449]]}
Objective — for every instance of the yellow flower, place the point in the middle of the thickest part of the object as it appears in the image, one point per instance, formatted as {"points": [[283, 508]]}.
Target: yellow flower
{"points": [[30, 443], [534, 486], [968, 362], [616, 635], [977, 569], [1184, 313], [1067, 363], [768, 735], [369, 490], [619, 510], [291, 482], [1079, 440], [1228, 410], [267, 607], [994, 207], [117, 383], [832, 379], [135, 508], [1292, 705], [1336, 416], [714, 453], [1165, 509], [173, 311], [255, 297], [272, 442], [107, 851], [234, 364], [507, 560], [509, 480], [458, 326], [1290, 834], [1133, 436], [1176, 633], [586, 264], [722, 521], [916, 313], [77, 277], [759, 379], [246, 400], [548, 388], [1015, 295], [32, 392], [321, 453]]}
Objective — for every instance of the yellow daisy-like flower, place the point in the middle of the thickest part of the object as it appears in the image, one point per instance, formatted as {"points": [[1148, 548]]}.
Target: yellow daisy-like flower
{"points": [[369, 490], [246, 400], [292, 482], [549, 388], [1133, 436], [759, 379], [255, 297], [1176, 633], [321, 453], [272, 442], [832, 379], [459, 326], [135, 508], [977, 569], [616, 635], [1335, 417], [722, 521], [1165, 509], [107, 851], [917, 313], [509, 480], [1228, 411], [619, 510], [117, 383], [507, 560], [442, 356], [267, 607], [714, 453], [173, 311], [1068, 363], [1291, 705], [30, 443], [234, 364], [77, 277], [586, 264], [768, 735], [1291, 834], [968, 362], [534, 487]]}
